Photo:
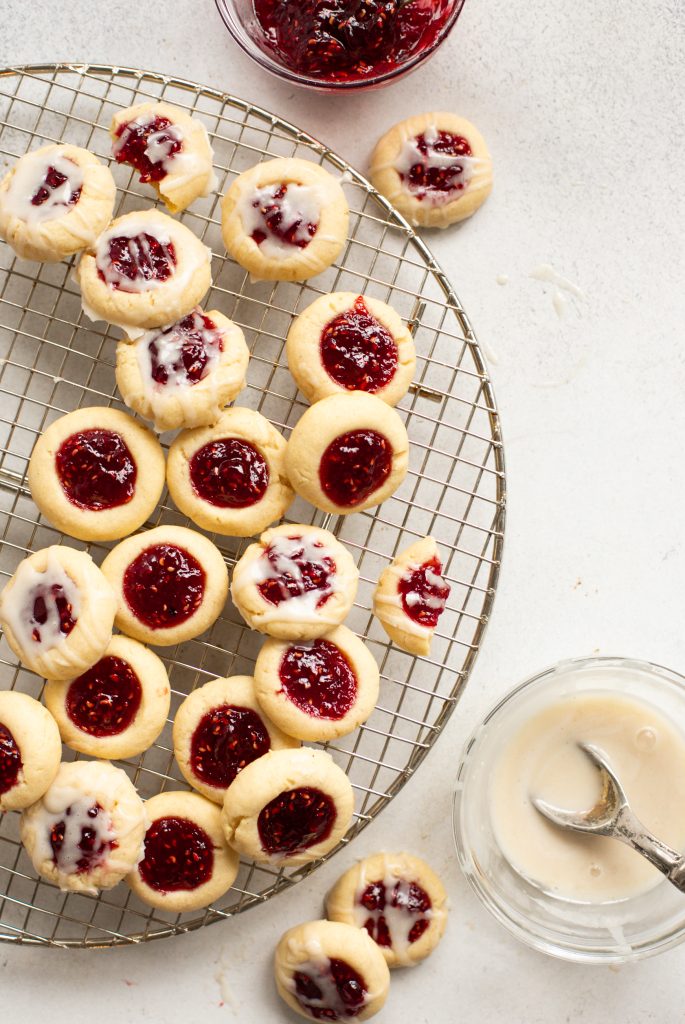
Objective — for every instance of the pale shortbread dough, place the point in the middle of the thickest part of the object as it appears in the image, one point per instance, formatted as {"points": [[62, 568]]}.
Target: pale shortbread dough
{"points": [[36, 737], [411, 636]]}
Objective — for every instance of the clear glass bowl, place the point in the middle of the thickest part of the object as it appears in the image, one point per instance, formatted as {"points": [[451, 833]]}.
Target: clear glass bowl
{"points": [[240, 20], [613, 932]]}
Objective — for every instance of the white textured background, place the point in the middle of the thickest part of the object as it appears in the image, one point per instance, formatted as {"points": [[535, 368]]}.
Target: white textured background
{"points": [[581, 103]]}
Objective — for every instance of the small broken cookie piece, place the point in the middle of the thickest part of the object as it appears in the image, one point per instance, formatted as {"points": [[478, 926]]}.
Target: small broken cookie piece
{"points": [[411, 595]]}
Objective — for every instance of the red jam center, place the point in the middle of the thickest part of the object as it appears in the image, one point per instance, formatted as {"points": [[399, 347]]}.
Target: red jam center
{"points": [[140, 258], [96, 470], [357, 352], [404, 896], [105, 699], [90, 846], [294, 575], [225, 740], [10, 760], [424, 593], [295, 820], [178, 855], [291, 229], [343, 40], [318, 679], [334, 993], [164, 586], [229, 473], [155, 137], [423, 177], [191, 341], [54, 179], [354, 466], [39, 615]]}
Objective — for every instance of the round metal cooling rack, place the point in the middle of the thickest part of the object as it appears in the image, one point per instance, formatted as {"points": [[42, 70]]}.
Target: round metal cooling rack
{"points": [[53, 360]]}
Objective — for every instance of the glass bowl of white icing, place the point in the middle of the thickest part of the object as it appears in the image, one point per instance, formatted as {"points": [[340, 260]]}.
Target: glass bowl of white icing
{"points": [[582, 898]]}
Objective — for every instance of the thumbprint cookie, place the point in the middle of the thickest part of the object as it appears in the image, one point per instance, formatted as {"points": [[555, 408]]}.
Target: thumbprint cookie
{"points": [[411, 596], [30, 750]]}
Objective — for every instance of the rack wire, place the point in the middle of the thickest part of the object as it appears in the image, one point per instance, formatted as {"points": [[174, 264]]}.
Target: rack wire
{"points": [[54, 360]]}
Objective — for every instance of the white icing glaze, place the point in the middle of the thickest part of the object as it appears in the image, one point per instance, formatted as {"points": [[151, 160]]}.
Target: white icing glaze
{"points": [[29, 584], [183, 165], [72, 806], [318, 969], [399, 919], [393, 608], [169, 342], [134, 229], [28, 178], [300, 203], [466, 168], [303, 607]]}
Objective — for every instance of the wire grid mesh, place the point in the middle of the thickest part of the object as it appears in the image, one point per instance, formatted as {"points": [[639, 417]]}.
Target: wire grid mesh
{"points": [[53, 360]]}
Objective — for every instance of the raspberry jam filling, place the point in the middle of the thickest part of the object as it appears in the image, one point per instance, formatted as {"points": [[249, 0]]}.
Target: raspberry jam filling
{"points": [[163, 586], [10, 760], [229, 473], [284, 213], [385, 902], [354, 466], [225, 740], [357, 351], [318, 679], [295, 820], [133, 262], [330, 991], [424, 593], [56, 190], [51, 608], [178, 855], [82, 839], [105, 699], [348, 40], [435, 164], [96, 470], [148, 146], [296, 568], [183, 354]]}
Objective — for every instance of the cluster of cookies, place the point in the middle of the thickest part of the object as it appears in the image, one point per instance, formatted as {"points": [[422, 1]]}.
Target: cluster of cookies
{"points": [[98, 474]]}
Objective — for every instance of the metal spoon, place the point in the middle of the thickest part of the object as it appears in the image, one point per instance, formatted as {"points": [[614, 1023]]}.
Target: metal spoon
{"points": [[612, 817]]}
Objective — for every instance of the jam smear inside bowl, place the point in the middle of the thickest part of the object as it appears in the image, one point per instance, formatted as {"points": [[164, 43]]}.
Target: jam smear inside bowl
{"points": [[105, 699], [229, 473], [295, 820], [357, 351], [330, 991], [10, 760], [149, 146], [96, 470], [183, 354], [225, 740], [424, 593], [164, 586], [355, 465], [178, 855], [393, 908], [318, 679], [293, 568]]}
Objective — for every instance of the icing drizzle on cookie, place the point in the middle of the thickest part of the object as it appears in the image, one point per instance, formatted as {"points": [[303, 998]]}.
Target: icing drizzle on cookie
{"points": [[436, 166], [44, 186], [43, 607], [295, 576], [281, 218]]}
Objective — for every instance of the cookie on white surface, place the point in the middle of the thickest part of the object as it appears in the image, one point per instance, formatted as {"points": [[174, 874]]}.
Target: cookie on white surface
{"points": [[186, 864], [230, 478], [325, 970], [348, 452], [183, 375], [350, 342], [285, 220], [54, 202], [30, 750], [115, 709], [435, 168], [168, 148], [96, 473], [57, 612], [86, 832], [145, 270], [219, 729], [170, 583], [411, 595], [288, 807], [295, 582], [317, 689], [398, 899]]}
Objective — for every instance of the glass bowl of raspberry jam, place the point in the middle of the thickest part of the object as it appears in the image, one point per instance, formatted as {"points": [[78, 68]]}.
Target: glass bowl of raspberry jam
{"points": [[334, 45]]}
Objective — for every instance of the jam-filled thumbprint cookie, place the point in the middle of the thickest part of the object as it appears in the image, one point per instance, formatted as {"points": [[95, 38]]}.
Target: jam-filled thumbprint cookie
{"points": [[325, 970], [171, 584], [30, 750], [317, 689], [54, 202], [96, 473], [349, 342], [348, 452], [288, 807], [435, 168], [398, 899], [218, 730], [186, 864], [57, 612], [230, 478], [167, 148], [295, 582], [285, 220], [145, 270], [86, 832], [411, 595], [183, 375], [118, 707]]}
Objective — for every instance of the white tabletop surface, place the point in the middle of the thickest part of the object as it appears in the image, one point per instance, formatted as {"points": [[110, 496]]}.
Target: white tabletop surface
{"points": [[579, 103]]}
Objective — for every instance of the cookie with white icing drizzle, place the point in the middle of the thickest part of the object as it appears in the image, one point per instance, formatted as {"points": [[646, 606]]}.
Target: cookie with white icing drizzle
{"points": [[411, 595], [30, 750]]}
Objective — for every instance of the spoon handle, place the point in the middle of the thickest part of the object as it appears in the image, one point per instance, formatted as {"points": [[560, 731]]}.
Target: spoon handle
{"points": [[630, 830]]}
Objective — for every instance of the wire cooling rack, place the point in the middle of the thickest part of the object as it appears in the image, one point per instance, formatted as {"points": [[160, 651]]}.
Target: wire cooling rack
{"points": [[53, 360]]}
